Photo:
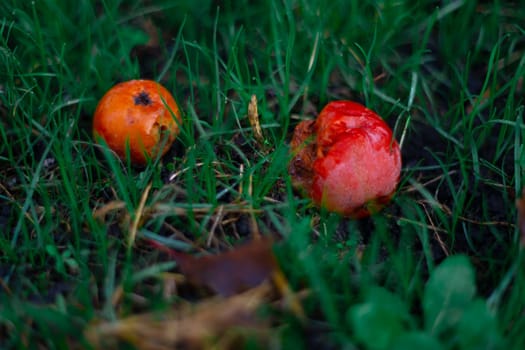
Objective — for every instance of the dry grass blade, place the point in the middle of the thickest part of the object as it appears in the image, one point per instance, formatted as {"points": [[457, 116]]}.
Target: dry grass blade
{"points": [[190, 327], [101, 212], [138, 215], [253, 117], [290, 299], [200, 210]]}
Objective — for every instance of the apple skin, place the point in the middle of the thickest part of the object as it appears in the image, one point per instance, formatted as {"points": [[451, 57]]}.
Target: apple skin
{"points": [[141, 115], [347, 160]]}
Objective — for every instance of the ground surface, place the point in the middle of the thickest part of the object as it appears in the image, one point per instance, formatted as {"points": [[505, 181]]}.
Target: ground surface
{"points": [[440, 267]]}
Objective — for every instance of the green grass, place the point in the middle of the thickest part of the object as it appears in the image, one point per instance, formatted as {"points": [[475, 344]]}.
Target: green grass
{"points": [[447, 76]]}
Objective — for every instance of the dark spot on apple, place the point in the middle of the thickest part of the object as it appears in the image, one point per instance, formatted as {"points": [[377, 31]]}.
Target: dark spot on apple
{"points": [[142, 99]]}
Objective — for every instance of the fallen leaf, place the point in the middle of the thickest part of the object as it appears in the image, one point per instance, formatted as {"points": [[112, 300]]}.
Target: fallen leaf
{"points": [[227, 273], [214, 321]]}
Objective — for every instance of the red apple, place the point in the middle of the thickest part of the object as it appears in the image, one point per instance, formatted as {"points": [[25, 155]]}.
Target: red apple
{"points": [[347, 160]]}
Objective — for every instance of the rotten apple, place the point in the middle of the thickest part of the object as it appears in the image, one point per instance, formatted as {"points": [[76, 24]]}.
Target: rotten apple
{"points": [[139, 115], [346, 160]]}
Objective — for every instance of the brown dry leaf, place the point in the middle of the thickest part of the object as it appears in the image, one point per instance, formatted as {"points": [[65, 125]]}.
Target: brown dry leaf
{"points": [[230, 272], [520, 205], [214, 321]]}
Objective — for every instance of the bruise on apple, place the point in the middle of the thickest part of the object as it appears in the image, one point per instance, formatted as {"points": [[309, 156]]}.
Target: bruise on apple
{"points": [[303, 147]]}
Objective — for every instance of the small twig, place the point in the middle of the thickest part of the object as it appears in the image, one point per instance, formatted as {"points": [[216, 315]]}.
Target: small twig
{"points": [[218, 218], [448, 211], [181, 237], [436, 232], [435, 179], [416, 223]]}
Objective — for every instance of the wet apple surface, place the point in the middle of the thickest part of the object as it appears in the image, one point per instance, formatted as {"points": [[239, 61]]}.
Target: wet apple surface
{"points": [[347, 160]]}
